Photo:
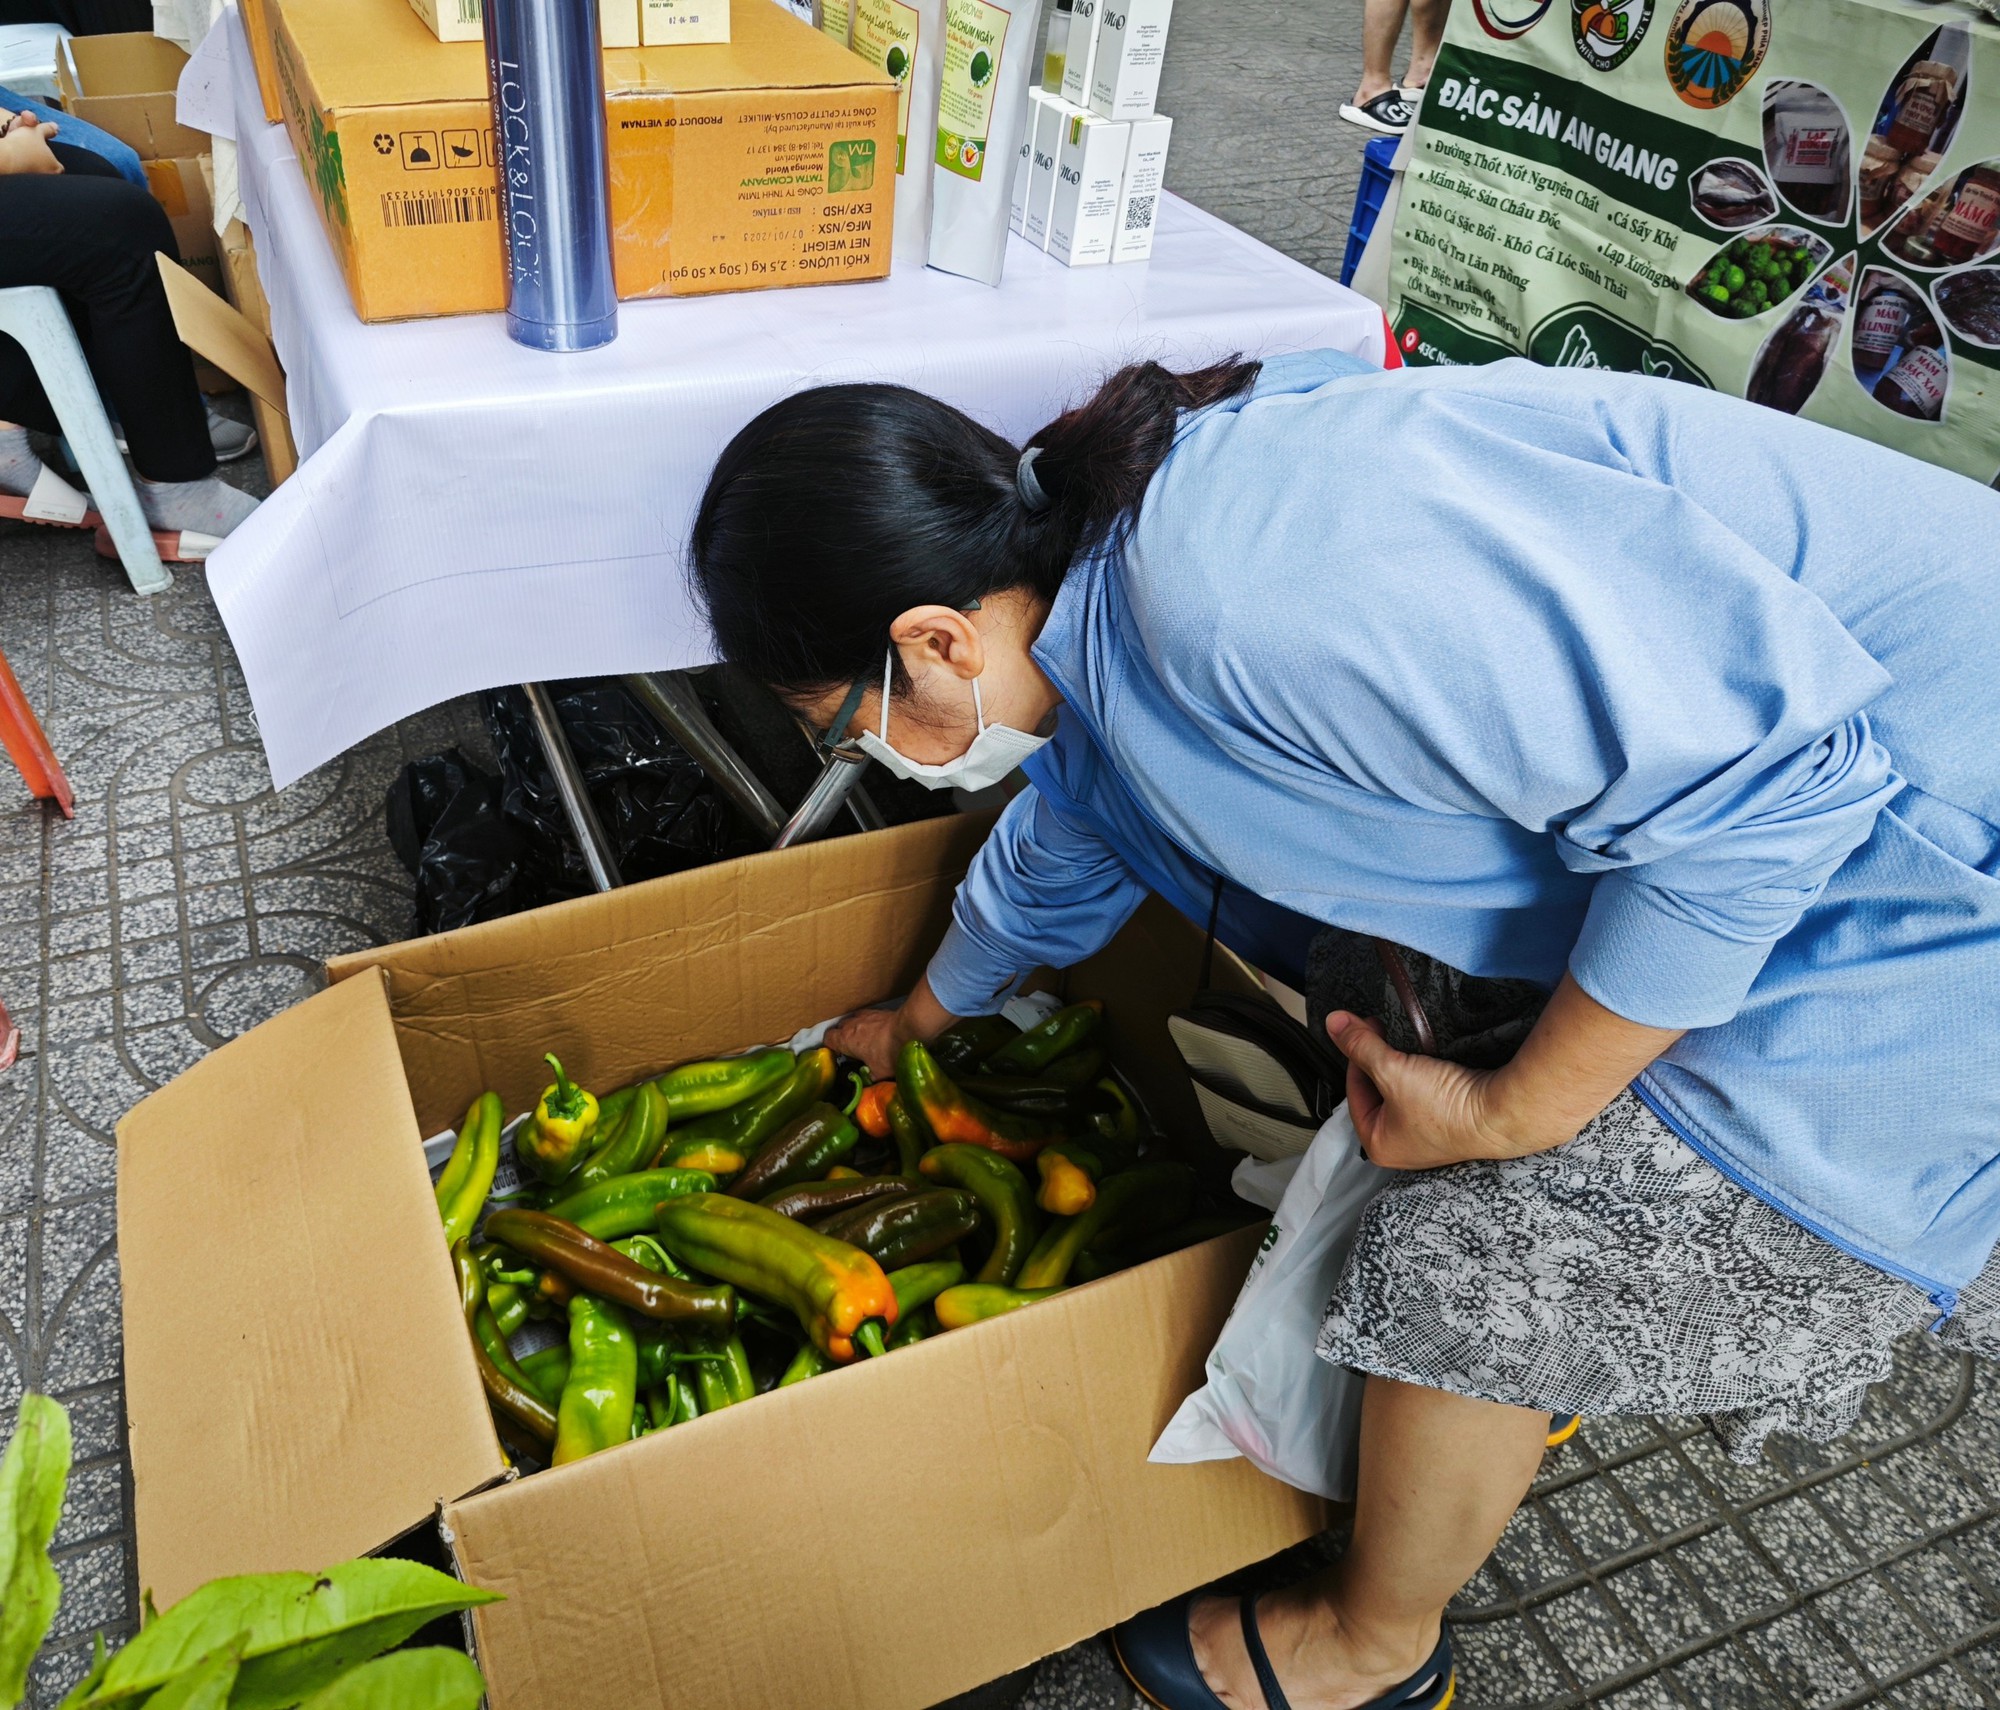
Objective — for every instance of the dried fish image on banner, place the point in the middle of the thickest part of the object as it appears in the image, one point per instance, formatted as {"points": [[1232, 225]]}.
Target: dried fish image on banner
{"points": [[1827, 246]]}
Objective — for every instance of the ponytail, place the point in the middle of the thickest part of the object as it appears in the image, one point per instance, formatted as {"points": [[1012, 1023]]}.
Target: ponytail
{"points": [[840, 508], [1097, 460]]}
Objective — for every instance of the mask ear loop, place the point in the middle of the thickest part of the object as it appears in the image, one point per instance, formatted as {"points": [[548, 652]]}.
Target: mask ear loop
{"points": [[978, 707], [888, 671]]}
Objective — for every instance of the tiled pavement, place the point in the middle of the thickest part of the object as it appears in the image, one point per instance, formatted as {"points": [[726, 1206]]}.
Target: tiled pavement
{"points": [[186, 901]]}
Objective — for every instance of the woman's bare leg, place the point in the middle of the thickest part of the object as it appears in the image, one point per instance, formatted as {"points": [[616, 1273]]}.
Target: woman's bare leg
{"points": [[1381, 24], [1427, 21], [1439, 1478]]}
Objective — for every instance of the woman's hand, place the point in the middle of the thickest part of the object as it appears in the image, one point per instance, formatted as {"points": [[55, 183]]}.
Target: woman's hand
{"points": [[876, 1035], [1415, 1113], [24, 145]]}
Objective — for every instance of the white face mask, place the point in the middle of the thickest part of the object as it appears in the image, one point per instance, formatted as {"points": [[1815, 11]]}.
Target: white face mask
{"points": [[995, 751]]}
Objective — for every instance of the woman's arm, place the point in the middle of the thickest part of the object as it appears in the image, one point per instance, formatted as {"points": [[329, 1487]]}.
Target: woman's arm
{"points": [[1415, 1113]]}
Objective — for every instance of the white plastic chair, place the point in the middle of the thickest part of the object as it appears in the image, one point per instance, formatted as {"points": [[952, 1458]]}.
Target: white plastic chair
{"points": [[34, 315]]}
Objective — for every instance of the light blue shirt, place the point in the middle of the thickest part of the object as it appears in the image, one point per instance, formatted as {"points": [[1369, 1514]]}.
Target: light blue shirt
{"points": [[1535, 669]]}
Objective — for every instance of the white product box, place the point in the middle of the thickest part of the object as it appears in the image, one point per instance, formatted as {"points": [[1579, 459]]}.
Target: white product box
{"points": [[459, 21], [1089, 172], [1045, 152], [1131, 48], [1079, 50], [1057, 47], [1139, 200], [1024, 164], [673, 23]]}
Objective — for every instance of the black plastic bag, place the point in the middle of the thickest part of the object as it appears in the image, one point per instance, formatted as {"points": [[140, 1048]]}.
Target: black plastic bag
{"points": [[447, 827], [659, 811]]}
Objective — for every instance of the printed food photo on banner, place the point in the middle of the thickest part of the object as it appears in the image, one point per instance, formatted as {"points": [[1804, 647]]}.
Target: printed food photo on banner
{"points": [[1890, 317], [1806, 150], [1970, 304], [1758, 271], [1916, 122], [1732, 194], [1794, 358], [1957, 222]]}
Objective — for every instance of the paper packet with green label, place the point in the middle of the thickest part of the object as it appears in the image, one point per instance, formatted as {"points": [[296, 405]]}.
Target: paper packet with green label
{"points": [[905, 39], [988, 59]]}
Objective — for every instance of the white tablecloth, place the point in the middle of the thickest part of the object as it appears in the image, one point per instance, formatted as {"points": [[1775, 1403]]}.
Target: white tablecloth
{"points": [[470, 513]]}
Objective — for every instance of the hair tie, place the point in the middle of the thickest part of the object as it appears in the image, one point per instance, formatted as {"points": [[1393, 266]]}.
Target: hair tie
{"points": [[1026, 485]]}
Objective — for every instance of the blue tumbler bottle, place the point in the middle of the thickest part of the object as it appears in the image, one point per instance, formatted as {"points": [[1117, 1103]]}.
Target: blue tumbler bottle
{"points": [[547, 73]]}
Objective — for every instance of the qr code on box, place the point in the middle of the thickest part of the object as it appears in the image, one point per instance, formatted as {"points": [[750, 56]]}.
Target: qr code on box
{"points": [[1139, 213]]}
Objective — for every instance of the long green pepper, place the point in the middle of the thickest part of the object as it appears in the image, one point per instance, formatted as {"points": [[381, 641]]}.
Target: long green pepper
{"points": [[602, 1389]]}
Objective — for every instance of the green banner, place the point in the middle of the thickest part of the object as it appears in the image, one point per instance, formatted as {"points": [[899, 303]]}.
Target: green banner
{"points": [[1797, 201]]}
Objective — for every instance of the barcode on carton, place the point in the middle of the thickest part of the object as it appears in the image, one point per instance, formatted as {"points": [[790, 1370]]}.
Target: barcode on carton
{"points": [[1139, 213], [437, 207]]}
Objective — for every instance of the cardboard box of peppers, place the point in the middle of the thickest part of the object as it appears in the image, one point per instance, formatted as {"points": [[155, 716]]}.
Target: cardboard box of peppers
{"points": [[727, 1228]]}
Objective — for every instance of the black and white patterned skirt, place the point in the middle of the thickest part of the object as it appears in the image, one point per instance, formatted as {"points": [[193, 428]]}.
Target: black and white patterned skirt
{"points": [[1621, 1273]]}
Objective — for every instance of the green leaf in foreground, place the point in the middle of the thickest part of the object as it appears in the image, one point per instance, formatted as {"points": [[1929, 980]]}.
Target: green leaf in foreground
{"points": [[33, 1476], [304, 1630], [429, 1678], [206, 1686]]}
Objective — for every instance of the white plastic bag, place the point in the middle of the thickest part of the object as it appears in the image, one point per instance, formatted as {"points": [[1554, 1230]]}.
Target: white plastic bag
{"points": [[1269, 1397]]}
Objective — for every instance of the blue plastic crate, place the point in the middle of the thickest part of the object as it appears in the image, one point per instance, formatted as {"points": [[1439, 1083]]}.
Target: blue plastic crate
{"points": [[1376, 178]]}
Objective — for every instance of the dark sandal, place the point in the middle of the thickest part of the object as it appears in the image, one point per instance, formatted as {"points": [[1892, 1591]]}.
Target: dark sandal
{"points": [[1157, 1655]]}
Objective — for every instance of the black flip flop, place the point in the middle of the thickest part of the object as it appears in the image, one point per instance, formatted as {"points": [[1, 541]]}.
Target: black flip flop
{"points": [[1157, 1655]]}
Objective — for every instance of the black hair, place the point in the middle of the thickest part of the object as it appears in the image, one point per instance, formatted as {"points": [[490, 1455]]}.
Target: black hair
{"points": [[841, 507]]}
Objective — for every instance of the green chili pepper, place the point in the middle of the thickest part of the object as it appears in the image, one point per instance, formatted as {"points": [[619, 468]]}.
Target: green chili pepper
{"points": [[487, 1329], [811, 1200], [479, 1141], [1051, 1100], [558, 1133], [508, 1305], [512, 1398], [748, 1125], [972, 1303], [913, 1329], [807, 1362], [917, 1286], [624, 1205], [1062, 1033], [720, 1083], [1003, 1195], [633, 1146], [948, 1113], [967, 1043], [910, 1139], [692, 1152], [547, 1371], [589, 1264], [833, 1289], [603, 1385], [803, 1150], [722, 1372], [1120, 1130], [1148, 1197], [897, 1232], [1077, 1069]]}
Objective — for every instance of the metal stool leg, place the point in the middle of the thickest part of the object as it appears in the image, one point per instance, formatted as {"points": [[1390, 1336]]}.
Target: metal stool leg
{"points": [[671, 699], [825, 799], [22, 736], [597, 857], [34, 315]]}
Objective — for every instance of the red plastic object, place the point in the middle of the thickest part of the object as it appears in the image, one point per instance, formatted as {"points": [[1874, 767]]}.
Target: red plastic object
{"points": [[10, 1040], [22, 737]]}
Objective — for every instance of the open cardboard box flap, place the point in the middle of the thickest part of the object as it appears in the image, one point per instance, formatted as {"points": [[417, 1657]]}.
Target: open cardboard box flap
{"points": [[301, 1388], [296, 1375]]}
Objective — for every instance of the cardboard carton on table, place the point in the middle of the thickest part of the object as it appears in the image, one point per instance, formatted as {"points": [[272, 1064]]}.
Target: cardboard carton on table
{"points": [[301, 1388], [766, 160]]}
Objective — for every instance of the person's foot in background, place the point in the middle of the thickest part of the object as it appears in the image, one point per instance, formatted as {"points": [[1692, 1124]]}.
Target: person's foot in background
{"points": [[1381, 104]]}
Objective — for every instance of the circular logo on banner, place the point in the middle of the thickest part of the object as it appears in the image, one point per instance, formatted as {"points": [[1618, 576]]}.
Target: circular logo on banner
{"points": [[1714, 48], [1506, 19], [1606, 31]]}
